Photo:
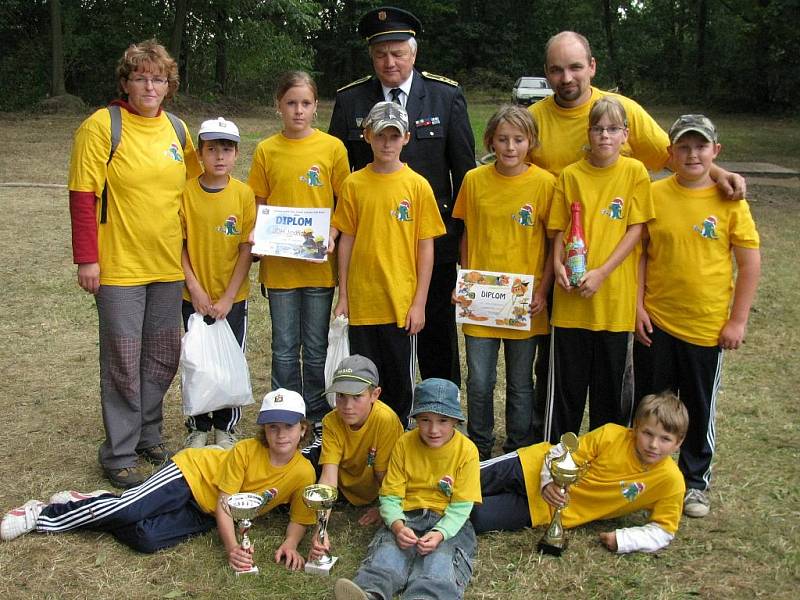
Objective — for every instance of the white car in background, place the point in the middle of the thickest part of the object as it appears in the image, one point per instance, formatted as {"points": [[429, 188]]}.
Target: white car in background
{"points": [[528, 90]]}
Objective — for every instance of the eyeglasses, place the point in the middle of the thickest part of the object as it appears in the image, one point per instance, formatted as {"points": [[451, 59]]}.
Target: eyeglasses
{"points": [[612, 129], [144, 81]]}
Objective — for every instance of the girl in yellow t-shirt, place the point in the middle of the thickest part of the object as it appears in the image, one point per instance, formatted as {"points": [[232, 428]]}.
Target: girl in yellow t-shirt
{"points": [[299, 167], [189, 495], [504, 208], [593, 321]]}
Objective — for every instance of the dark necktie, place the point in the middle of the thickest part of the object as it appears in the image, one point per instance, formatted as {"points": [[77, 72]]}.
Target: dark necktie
{"points": [[395, 94]]}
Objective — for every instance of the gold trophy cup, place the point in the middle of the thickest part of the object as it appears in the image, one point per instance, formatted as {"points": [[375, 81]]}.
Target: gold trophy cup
{"points": [[320, 497], [565, 472], [243, 508]]}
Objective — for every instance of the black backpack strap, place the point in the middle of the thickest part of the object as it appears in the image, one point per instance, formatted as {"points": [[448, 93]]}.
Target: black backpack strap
{"points": [[180, 131], [116, 135]]}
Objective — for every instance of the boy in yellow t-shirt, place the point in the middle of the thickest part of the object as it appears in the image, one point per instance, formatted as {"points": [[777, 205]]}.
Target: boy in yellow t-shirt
{"points": [[685, 289], [629, 470], [431, 486], [357, 438], [388, 218], [218, 214]]}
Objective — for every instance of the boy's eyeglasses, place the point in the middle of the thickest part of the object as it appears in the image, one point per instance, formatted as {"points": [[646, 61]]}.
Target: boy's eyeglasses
{"points": [[144, 81], [612, 130]]}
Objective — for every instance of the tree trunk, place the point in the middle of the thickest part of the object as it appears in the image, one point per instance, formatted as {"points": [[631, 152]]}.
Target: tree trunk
{"points": [[608, 26], [700, 63], [57, 87], [175, 40], [221, 65]]}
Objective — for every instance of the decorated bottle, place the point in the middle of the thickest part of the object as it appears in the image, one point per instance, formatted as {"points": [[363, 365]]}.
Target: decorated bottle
{"points": [[575, 247]]}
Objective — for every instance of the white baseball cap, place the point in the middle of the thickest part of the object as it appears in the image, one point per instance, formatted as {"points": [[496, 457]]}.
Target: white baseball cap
{"points": [[219, 129], [282, 406]]}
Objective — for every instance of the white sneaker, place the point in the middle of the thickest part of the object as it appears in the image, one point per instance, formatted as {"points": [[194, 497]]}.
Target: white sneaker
{"points": [[21, 520], [225, 439], [344, 589], [196, 439], [73, 496], [696, 503]]}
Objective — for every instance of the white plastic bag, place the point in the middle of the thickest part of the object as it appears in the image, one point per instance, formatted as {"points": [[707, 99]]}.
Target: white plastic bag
{"points": [[214, 370], [338, 350]]}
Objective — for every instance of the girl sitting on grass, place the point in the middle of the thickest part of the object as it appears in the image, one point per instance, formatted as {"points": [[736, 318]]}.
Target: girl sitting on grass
{"points": [[189, 495]]}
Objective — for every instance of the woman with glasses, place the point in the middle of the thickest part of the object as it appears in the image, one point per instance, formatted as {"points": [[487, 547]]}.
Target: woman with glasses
{"points": [[126, 239]]}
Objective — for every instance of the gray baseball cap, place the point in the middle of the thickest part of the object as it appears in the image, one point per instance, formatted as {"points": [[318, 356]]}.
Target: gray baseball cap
{"points": [[438, 396], [696, 123], [354, 374], [387, 114]]}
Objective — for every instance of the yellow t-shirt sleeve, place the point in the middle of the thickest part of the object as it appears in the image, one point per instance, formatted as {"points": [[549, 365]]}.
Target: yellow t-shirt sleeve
{"points": [[468, 479], [191, 158], [231, 474], [345, 218], [394, 483], [248, 215], [257, 179], [743, 233], [390, 431], [432, 225], [341, 168], [332, 442], [642, 209], [90, 149], [558, 217], [298, 511]]}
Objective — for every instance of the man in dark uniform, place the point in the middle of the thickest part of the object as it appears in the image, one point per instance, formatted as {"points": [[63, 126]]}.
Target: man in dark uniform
{"points": [[442, 149]]}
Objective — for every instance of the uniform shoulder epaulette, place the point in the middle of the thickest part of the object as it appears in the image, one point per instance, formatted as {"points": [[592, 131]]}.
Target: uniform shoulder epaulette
{"points": [[354, 83], [440, 78]]}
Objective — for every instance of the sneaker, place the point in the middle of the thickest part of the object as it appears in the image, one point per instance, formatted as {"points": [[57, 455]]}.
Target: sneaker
{"points": [[155, 455], [21, 520], [196, 439], [224, 439], [696, 503], [125, 478], [344, 589], [73, 496]]}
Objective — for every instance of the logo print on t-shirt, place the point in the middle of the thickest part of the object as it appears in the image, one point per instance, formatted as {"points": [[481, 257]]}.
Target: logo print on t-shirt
{"points": [[403, 212], [371, 456], [631, 491], [229, 227], [708, 229], [312, 177], [614, 210], [174, 153], [269, 494], [524, 216], [446, 485]]}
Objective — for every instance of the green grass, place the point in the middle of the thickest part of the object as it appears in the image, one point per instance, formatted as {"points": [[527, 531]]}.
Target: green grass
{"points": [[747, 547]]}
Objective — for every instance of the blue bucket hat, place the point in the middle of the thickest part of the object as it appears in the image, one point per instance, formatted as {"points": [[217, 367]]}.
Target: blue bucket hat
{"points": [[438, 396]]}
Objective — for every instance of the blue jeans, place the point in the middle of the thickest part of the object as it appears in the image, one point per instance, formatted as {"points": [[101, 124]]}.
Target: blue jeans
{"points": [[481, 379], [444, 573], [300, 320]]}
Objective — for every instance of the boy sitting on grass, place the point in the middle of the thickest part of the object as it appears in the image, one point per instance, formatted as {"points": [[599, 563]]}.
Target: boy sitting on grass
{"points": [[427, 546], [629, 470], [357, 438]]}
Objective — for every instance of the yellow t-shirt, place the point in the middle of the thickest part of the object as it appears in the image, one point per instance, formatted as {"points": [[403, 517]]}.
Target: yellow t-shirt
{"points": [[563, 133], [303, 173], [432, 478], [246, 468], [689, 282], [141, 241], [505, 219], [616, 483], [360, 453], [388, 214], [613, 199], [214, 225]]}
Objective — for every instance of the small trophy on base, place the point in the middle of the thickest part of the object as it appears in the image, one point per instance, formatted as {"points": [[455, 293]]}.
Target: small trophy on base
{"points": [[565, 472], [320, 497], [243, 508]]}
